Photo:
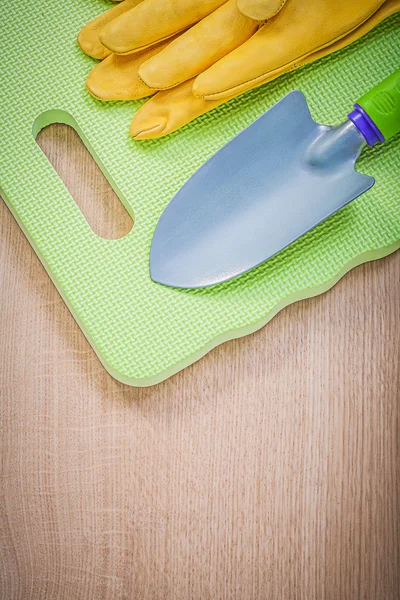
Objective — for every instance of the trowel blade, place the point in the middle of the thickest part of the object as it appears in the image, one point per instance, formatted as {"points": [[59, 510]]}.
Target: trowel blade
{"points": [[272, 183]]}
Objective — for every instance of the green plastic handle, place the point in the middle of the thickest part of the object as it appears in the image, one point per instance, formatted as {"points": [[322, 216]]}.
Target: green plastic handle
{"points": [[382, 105]]}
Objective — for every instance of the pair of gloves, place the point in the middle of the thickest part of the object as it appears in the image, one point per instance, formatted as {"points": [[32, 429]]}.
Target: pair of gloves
{"points": [[193, 55]]}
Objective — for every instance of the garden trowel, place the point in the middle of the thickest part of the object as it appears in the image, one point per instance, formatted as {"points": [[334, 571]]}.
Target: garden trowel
{"points": [[271, 184]]}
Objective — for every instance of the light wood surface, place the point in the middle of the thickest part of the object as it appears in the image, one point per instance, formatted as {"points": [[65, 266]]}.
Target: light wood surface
{"points": [[269, 470]]}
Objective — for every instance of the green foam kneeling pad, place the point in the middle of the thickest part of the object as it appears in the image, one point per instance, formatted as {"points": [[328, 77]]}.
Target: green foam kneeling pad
{"points": [[144, 332]]}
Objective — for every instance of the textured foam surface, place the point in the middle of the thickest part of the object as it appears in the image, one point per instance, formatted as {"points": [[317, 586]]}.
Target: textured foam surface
{"points": [[142, 331]]}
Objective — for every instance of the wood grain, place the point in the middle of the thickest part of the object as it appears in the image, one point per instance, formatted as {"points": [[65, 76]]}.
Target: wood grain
{"points": [[269, 470]]}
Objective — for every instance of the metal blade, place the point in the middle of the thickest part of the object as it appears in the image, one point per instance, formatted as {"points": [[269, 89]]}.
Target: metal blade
{"points": [[275, 181]]}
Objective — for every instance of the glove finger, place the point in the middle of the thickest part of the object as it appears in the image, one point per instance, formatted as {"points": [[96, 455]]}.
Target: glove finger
{"points": [[260, 9], [88, 38], [117, 78], [199, 47], [153, 21], [169, 110], [281, 43]]}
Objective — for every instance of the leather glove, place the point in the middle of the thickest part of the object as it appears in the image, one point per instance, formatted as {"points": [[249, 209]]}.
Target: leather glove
{"points": [[226, 52]]}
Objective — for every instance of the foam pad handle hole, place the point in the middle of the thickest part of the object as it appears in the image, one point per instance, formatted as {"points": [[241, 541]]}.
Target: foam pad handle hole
{"points": [[98, 202]]}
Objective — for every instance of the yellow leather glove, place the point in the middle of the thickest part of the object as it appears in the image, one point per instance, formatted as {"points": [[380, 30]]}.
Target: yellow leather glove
{"points": [[171, 109], [228, 51]]}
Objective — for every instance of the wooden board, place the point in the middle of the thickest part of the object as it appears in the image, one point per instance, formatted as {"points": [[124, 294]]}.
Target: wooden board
{"points": [[269, 470]]}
